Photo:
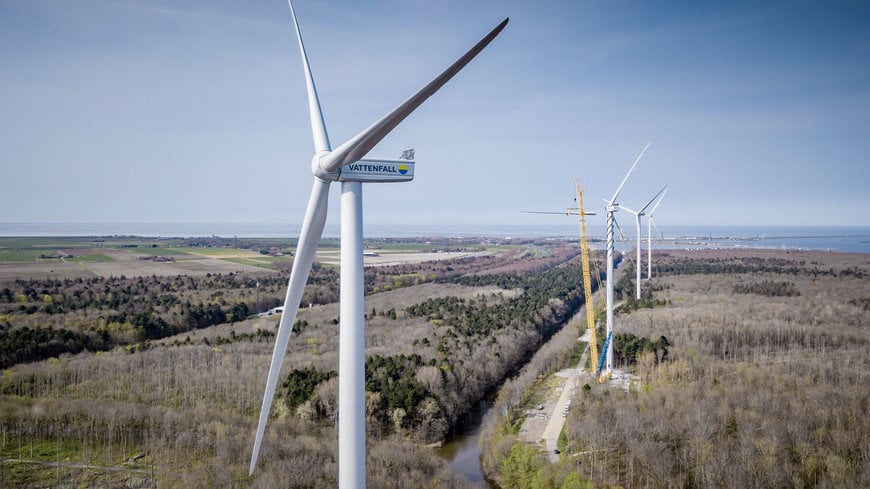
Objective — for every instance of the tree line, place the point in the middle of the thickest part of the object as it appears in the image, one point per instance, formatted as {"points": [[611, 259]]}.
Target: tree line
{"points": [[45, 318], [681, 265]]}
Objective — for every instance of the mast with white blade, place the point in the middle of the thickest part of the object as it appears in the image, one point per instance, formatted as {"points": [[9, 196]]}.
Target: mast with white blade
{"points": [[637, 215], [649, 224], [610, 209], [345, 164]]}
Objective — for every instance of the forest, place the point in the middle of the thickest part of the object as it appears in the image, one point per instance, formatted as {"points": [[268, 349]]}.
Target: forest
{"points": [[156, 381], [749, 369], [764, 383], [41, 319]]}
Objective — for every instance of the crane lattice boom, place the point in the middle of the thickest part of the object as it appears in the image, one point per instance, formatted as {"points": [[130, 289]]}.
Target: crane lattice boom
{"points": [[587, 281]]}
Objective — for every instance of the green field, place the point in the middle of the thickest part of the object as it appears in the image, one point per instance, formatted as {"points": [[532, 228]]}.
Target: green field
{"points": [[43, 243], [24, 256], [39, 462], [72, 242], [32, 256]]}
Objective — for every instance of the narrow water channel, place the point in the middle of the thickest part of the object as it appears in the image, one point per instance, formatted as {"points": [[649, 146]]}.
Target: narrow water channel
{"points": [[463, 449]]}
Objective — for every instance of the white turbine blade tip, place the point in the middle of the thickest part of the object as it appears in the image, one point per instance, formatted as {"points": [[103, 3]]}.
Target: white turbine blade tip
{"points": [[315, 113], [656, 196], [663, 193], [619, 189], [357, 147]]}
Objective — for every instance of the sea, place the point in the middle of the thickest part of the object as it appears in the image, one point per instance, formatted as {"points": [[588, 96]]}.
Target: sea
{"points": [[848, 239]]}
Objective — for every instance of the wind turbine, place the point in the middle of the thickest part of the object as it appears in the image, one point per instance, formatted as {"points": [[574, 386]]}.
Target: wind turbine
{"points": [[649, 225], [345, 165], [637, 215], [611, 208]]}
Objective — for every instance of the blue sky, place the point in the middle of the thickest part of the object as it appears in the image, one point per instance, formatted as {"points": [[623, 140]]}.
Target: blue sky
{"points": [[195, 111]]}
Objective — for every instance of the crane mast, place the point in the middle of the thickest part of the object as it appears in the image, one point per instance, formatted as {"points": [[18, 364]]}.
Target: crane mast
{"points": [[587, 281]]}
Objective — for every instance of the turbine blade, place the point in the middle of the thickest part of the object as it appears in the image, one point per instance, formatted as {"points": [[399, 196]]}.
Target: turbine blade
{"points": [[619, 189], [318, 125], [659, 201], [624, 208], [652, 199], [619, 228], [662, 236], [312, 229], [622, 237], [359, 145]]}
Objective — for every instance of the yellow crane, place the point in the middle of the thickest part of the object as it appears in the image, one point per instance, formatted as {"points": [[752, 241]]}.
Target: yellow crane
{"points": [[587, 281]]}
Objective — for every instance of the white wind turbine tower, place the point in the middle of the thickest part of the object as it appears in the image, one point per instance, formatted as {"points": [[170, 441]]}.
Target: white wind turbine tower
{"points": [[649, 225], [611, 208], [637, 216], [345, 165]]}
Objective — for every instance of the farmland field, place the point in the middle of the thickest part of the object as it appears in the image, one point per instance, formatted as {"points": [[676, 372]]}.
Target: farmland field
{"points": [[23, 256], [216, 252], [91, 258], [160, 251], [20, 258]]}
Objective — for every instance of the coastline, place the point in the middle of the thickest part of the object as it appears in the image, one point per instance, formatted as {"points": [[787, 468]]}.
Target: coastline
{"points": [[852, 239]]}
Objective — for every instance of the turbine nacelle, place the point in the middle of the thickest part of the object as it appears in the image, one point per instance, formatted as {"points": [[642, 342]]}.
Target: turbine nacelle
{"points": [[377, 170], [368, 170]]}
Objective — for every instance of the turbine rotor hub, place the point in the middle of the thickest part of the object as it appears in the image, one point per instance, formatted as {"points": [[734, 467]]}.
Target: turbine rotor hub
{"points": [[319, 172]]}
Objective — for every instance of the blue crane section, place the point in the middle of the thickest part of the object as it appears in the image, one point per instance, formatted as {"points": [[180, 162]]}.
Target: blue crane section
{"points": [[603, 353]]}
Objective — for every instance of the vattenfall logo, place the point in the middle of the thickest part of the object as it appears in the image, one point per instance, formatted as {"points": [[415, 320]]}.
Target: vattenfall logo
{"points": [[358, 167]]}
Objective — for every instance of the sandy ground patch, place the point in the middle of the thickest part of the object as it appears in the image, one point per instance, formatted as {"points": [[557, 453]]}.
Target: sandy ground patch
{"points": [[388, 257], [220, 254], [542, 426]]}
